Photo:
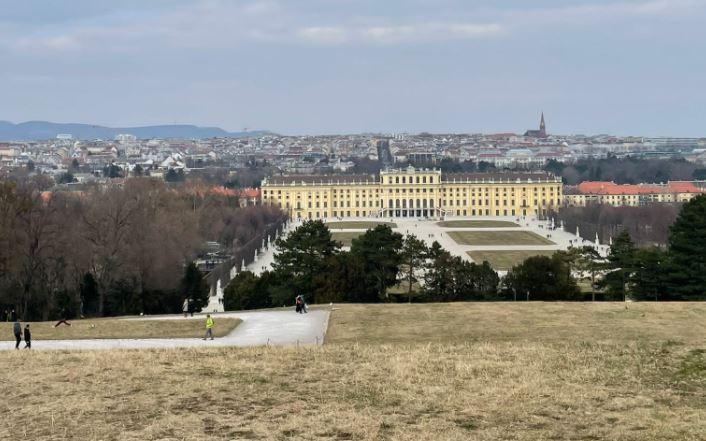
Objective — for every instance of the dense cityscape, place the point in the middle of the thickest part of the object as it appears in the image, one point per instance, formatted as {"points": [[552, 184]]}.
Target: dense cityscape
{"points": [[71, 161]]}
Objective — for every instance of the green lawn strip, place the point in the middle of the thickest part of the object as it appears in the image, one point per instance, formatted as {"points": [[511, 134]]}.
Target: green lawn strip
{"points": [[504, 260], [362, 225], [477, 224], [485, 238]]}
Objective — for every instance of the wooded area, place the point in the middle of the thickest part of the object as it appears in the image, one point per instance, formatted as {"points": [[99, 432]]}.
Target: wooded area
{"points": [[109, 250], [647, 224], [629, 170], [384, 266]]}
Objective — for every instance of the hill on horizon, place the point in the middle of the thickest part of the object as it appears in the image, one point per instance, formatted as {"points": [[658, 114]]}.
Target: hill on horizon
{"points": [[41, 130]]}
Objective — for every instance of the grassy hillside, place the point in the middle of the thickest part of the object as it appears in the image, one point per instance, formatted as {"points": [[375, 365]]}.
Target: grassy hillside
{"points": [[562, 371], [551, 322]]}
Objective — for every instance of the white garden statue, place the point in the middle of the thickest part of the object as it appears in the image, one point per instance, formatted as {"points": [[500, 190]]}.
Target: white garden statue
{"points": [[215, 303]]}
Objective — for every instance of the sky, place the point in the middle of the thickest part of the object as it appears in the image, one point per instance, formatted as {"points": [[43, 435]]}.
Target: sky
{"points": [[630, 67]]}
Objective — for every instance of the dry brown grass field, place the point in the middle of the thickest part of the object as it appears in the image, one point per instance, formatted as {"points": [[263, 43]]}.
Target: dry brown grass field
{"points": [[121, 328], [544, 322], [560, 371]]}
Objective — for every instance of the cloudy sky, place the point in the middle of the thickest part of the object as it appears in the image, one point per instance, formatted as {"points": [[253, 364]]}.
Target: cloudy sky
{"points": [[344, 66]]}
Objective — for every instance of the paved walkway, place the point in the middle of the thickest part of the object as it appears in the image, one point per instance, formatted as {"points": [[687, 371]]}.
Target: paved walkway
{"points": [[259, 328]]}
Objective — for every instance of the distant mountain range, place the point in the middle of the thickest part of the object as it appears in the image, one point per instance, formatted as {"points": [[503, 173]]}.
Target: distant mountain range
{"points": [[40, 130]]}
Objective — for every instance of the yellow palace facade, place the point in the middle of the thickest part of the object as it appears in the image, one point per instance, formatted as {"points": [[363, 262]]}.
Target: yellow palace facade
{"points": [[413, 193]]}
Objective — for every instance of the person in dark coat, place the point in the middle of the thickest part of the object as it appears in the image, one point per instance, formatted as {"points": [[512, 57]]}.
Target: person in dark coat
{"points": [[17, 330], [28, 337], [298, 304]]}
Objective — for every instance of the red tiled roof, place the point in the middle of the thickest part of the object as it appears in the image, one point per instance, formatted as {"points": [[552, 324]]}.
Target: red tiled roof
{"points": [[611, 188], [251, 193], [684, 187]]}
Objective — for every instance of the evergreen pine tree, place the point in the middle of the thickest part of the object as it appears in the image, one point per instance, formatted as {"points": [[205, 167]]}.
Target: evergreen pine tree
{"points": [[195, 287], [620, 266], [685, 277]]}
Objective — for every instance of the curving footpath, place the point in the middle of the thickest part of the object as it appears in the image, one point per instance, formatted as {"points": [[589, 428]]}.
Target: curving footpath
{"points": [[260, 328]]}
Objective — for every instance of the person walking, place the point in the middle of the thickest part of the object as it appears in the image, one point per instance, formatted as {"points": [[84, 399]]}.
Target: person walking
{"points": [[28, 337], [185, 307], [304, 309], [17, 330], [298, 304], [209, 327]]}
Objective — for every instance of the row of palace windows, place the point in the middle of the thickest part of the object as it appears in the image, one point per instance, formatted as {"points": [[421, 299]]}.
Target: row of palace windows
{"points": [[404, 180], [320, 215], [465, 212], [421, 203], [460, 203], [402, 203], [415, 190]]}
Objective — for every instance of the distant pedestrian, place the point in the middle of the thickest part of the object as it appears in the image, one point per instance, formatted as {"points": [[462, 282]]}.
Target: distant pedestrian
{"points": [[185, 307], [28, 337], [62, 319], [17, 330], [209, 327], [5, 316], [191, 306], [298, 304], [13, 316]]}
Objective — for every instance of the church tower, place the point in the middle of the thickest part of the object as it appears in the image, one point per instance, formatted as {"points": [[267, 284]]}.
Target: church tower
{"points": [[542, 128]]}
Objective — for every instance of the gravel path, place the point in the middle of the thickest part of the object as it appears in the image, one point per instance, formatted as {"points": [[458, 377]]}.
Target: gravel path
{"points": [[259, 328]]}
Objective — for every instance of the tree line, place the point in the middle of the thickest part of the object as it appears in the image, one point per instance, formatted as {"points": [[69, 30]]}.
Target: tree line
{"points": [[110, 250], [628, 170], [381, 266], [384, 266], [648, 225]]}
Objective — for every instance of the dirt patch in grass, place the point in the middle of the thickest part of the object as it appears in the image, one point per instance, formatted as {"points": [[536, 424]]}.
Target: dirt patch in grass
{"points": [[498, 238], [122, 328], [477, 224], [504, 260], [357, 225], [477, 391]]}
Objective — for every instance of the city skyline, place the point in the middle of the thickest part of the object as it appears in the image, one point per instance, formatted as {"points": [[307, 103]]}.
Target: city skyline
{"points": [[625, 68]]}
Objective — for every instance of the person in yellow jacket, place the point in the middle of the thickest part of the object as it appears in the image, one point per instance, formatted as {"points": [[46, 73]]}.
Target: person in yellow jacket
{"points": [[209, 327]]}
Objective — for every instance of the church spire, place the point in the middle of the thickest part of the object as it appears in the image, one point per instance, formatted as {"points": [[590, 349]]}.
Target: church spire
{"points": [[542, 127]]}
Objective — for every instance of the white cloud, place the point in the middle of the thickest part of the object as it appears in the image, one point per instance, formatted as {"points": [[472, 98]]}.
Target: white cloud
{"points": [[58, 43], [602, 12], [324, 34], [220, 24], [430, 32], [396, 34]]}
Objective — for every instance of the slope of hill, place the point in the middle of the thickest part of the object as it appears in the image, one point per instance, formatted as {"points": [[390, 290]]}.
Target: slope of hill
{"points": [[38, 130]]}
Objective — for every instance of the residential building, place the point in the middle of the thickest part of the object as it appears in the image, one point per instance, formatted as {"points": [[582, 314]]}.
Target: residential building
{"points": [[600, 192]]}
